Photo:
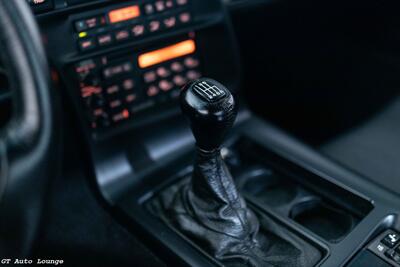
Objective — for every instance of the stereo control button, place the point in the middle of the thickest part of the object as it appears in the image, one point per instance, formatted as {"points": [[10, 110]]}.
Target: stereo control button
{"points": [[163, 72], [105, 39], [191, 62], [149, 76], [123, 115], [160, 5], [193, 75], [113, 89], [177, 67], [169, 4], [122, 35], [117, 69], [128, 84], [165, 85], [89, 23], [138, 30], [185, 17], [179, 80], [169, 22], [148, 9], [152, 91], [130, 98], [115, 103], [154, 26], [87, 44]]}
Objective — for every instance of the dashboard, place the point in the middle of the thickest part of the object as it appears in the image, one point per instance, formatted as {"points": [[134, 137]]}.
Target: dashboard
{"points": [[123, 62]]}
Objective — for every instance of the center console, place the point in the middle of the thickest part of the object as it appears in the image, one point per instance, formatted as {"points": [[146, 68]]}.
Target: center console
{"points": [[122, 64]]}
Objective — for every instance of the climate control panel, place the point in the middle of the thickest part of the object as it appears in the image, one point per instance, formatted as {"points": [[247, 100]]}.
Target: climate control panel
{"points": [[114, 89]]}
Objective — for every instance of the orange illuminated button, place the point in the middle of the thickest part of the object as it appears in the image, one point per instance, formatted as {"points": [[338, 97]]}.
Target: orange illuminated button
{"points": [[167, 53], [124, 14]]}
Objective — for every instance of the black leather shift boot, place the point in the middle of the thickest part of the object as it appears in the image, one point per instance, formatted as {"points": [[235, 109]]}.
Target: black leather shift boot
{"points": [[208, 210]]}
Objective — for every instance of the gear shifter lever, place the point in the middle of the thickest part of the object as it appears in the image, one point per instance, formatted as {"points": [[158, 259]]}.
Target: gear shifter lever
{"points": [[223, 220], [211, 110], [208, 208]]}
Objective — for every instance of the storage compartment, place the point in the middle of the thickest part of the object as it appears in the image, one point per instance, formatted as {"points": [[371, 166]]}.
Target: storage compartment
{"points": [[327, 221], [269, 188], [275, 183]]}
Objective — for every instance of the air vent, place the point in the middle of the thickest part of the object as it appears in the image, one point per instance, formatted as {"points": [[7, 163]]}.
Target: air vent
{"points": [[5, 98]]}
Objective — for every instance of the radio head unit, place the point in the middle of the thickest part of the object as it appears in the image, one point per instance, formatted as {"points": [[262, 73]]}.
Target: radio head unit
{"points": [[120, 87]]}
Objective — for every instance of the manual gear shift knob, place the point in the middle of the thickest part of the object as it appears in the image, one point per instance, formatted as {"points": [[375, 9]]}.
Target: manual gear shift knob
{"points": [[211, 109]]}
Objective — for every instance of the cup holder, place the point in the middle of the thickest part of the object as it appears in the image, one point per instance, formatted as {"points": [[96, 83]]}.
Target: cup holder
{"points": [[269, 188], [323, 219]]}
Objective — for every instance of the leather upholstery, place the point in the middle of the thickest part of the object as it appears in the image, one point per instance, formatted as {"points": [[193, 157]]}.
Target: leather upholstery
{"points": [[209, 210], [372, 148]]}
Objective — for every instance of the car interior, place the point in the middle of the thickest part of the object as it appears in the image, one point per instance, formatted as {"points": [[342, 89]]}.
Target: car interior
{"points": [[200, 133]]}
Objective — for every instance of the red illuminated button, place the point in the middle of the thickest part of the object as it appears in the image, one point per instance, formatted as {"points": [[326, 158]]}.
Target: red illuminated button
{"points": [[87, 44], [179, 80], [88, 91], [98, 112], [138, 30], [130, 98], [177, 67], [154, 26], [169, 22], [152, 91], [185, 17], [160, 6], [191, 63], [193, 75], [128, 84], [112, 89], [123, 115], [105, 39], [122, 35], [115, 104], [165, 85], [163, 72], [169, 4], [150, 76]]}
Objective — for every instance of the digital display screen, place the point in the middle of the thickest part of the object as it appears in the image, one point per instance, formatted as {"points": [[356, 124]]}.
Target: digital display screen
{"points": [[167, 53], [123, 14]]}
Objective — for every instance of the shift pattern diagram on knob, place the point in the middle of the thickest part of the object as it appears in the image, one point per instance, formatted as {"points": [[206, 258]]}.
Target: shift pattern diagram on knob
{"points": [[209, 92]]}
